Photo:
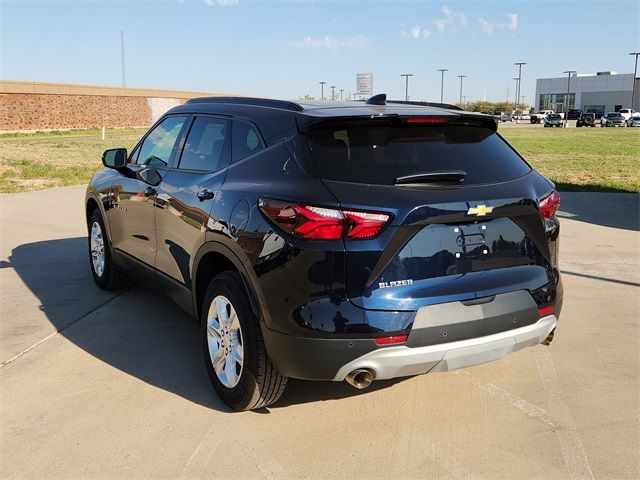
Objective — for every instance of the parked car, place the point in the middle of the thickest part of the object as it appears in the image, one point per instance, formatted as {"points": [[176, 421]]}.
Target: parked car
{"points": [[612, 119], [627, 113], [553, 120], [503, 116], [540, 116], [330, 241], [634, 121], [574, 114], [522, 116], [586, 120]]}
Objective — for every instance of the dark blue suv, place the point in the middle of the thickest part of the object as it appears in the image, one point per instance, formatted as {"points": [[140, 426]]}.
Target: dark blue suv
{"points": [[332, 241]]}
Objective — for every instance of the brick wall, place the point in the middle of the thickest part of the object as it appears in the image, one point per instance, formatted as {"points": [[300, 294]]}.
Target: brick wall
{"points": [[30, 106]]}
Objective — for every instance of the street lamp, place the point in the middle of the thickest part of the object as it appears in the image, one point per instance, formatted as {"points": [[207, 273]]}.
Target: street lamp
{"points": [[406, 85], [464, 99], [341, 90], [442, 84], [566, 100], [333, 92], [519, 64], [635, 74], [461, 77], [322, 90]]}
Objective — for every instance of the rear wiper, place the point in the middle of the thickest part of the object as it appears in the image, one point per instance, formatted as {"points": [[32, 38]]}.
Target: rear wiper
{"points": [[432, 177]]}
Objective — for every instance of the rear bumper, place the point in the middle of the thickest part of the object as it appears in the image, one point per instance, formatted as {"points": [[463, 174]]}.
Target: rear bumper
{"points": [[443, 337], [402, 361]]}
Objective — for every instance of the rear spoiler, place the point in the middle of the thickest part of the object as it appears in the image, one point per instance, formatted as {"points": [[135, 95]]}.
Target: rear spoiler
{"points": [[306, 123]]}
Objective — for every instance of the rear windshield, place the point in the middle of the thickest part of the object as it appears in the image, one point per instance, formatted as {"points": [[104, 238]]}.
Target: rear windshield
{"points": [[614, 115], [380, 154]]}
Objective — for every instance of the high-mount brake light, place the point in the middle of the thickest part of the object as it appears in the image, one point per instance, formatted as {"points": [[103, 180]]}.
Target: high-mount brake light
{"points": [[323, 223], [427, 120], [549, 205], [391, 340]]}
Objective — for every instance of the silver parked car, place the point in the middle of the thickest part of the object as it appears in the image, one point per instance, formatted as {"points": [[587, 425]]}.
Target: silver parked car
{"points": [[612, 119], [553, 120], [634, 121]]}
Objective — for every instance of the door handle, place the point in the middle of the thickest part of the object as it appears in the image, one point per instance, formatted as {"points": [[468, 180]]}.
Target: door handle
{"points": [[205, 194], [149, 191]]}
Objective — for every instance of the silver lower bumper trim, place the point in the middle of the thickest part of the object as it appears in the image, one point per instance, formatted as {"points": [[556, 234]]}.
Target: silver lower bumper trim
{"points": [[401, 361]]}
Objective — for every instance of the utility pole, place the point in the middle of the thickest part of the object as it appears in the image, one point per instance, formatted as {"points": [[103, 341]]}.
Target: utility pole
{"points": [[442, 84], [406, 86], [464, 99], [341, 90], [519, 64], [124, 80], [635, 74], [461, 77], [333, 92], [322, 90], [566, 100]]}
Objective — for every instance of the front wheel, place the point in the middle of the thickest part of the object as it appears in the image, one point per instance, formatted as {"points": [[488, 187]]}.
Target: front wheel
{"points": [[235, 355], [106, 273]]}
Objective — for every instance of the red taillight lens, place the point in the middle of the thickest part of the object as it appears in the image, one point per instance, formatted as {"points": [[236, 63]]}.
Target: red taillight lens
{"points": [[390, 340], [549, 205], [322, 223], [544, 311], [427, 120]]}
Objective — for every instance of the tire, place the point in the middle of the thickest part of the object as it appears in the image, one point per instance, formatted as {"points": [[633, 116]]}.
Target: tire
{"points": [[106, 273], [247, 380]]}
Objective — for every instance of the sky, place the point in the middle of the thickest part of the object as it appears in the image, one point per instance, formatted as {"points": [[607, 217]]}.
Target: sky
{"points": [[282, 49]]}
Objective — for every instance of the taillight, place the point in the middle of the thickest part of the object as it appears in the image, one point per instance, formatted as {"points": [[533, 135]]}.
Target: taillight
{"points": [[549, 205], [322, 223]]}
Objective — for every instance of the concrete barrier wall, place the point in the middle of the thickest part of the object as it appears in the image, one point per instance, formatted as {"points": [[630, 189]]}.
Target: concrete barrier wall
{"points": [[32, 106]]}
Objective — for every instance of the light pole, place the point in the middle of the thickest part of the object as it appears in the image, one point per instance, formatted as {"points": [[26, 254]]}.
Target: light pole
{"points": [[515, 102], [406, 85], [322, 90], [635, 74], [333, 92], [442, 84], [464, 99], [124, 80], [566, 100], [519, 64], [461, 77], [341, 90]]}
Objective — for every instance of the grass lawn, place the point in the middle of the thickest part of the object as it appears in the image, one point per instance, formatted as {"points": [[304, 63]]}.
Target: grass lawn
{"points": [[590, 159]]}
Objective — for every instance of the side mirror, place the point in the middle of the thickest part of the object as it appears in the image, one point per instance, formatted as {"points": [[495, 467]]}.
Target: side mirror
{"points": [[115, 158]]}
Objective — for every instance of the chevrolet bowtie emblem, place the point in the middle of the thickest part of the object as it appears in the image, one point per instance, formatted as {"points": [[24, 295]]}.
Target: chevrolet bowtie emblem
{"points": [[479, 210]]}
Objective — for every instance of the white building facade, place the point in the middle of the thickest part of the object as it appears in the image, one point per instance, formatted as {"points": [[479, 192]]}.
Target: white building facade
{"points": [[598, 93]]}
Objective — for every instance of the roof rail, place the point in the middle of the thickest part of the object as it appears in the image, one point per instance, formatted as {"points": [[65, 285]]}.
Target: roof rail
{"points": [[259, 102], [427, 104]]}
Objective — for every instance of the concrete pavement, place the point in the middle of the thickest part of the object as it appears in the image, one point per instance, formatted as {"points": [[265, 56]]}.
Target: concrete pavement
{"points": [[97, 385]]}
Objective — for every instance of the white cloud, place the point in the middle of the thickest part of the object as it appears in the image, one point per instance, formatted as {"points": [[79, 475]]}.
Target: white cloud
{"points": [[489, 26], [416, 32], [221, 3], [450, 18], [355, 43]]}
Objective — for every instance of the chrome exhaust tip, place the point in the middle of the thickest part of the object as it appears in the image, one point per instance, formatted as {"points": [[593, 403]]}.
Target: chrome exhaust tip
{"points": [[360, 378]]}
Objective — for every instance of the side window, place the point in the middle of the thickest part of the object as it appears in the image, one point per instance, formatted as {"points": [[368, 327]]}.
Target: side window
{"points": [[207, 145], [157, 147], [246, 140]]}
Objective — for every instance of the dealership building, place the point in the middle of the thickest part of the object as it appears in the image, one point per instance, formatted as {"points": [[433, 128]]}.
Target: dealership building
{"points": [[598, 93]]}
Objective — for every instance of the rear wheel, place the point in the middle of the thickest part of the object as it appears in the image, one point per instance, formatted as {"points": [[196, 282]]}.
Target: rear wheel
{"points": [[235, 355], [106, 273]]}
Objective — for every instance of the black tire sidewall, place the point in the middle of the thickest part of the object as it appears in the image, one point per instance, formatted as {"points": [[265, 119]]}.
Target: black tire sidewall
{"points": [[103, 280], [229, 284]]}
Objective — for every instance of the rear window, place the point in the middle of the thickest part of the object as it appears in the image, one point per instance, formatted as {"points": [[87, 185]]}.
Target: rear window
{"points": [[380, 154]]}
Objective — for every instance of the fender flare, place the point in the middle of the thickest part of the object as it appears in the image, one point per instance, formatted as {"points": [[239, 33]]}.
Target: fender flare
{"points": [[249, 278]]}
